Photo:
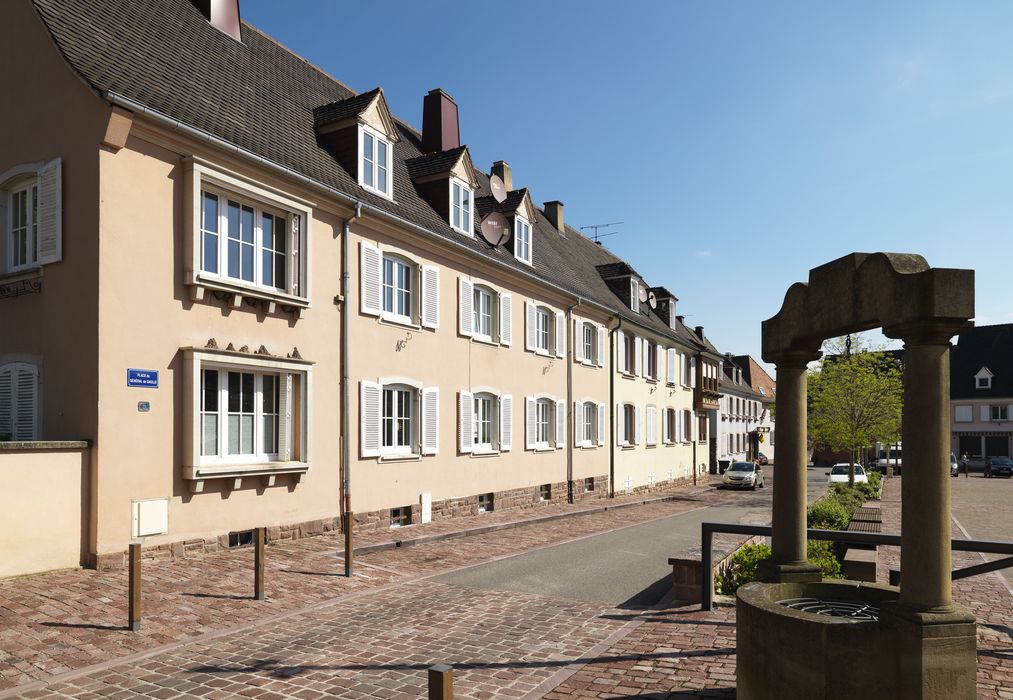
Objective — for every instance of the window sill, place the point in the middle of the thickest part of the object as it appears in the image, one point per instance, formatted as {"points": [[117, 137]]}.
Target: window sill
{"points": [[588, 363], [398, 322], [650, 380], [25, 273], [485, 340], [202, 287], [385, 458], [651, 447], [543, 353], [479, 454], [669, 444], [589, 446], [625, 375], [237, 472], [627, 447], [543, 448]]}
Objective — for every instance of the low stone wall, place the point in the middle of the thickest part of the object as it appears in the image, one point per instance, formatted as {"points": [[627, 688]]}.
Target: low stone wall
{"points": [[687, 581]]}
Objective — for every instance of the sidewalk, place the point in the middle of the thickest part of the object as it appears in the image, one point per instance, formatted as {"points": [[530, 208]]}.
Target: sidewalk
{"points": [[51, 624]]}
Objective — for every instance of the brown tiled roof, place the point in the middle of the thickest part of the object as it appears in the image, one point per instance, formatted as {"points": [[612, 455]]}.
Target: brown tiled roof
{"points": [[434, 163], [756, 376], [343, 109]]}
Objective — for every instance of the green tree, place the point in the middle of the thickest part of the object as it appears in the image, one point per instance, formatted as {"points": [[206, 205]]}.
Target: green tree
{"points": [[855, 399]]}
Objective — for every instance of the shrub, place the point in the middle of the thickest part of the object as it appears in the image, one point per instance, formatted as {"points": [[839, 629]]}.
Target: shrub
{"points": [[827, 514], [821, 554], [850, 498], [741, 569], [867, 490], [875, 480]]}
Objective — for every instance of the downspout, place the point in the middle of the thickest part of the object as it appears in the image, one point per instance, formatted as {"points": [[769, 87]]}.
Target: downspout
{"points": [[569, 399], [612, 408], [346, 461]]}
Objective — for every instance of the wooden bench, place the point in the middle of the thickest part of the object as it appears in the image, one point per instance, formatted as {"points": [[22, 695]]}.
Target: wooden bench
{"points": [[860, 561]]}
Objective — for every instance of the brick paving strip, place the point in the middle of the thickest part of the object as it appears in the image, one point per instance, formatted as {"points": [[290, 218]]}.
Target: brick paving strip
{"points": [[62, 623]]}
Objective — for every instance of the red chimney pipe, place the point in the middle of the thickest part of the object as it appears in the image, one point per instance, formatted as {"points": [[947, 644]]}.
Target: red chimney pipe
{"points": [[222, 14], [440, 130]]}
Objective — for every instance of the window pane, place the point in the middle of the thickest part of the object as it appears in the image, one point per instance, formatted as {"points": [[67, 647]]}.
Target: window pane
{"points": [[209, 224], [367, 160], [271, 434], [209, 434], [246, 426], [235, 379], [269, 402], [247, 393], [267, 239], [388, 284], [210, 390], [381, 166], [234, 234], [233, 426]]}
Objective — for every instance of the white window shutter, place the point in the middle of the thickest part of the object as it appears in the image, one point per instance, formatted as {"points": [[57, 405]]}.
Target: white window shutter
{"points": [[692, 372], [652, 425], [506, 423], [638, 353], [560, 332], [693, 424], [26, 401], [295, 259], [285, 417], [370, 275], [6, 403], [670, 370], [369, 419], [50, 243], [430, 296], [659, 362], [529, 420], [621, 339], [465, 306], [4, 236], [506, 319], [465, 421], [578, 339], [601, 424], [665, 438], [680, 425], [601, 346], [560, 423], [620, 424], [986, 413], [647, 359], [530, 325], [430, 420], [636, 425], [578, 424]]}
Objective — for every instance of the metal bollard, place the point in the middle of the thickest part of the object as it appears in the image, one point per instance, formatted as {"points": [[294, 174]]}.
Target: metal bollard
{"points": [[258, 563], [134, 584], [441, 682]]}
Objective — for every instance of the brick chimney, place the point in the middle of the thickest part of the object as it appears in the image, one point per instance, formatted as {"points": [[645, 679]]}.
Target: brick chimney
{"points": [[502, 169], [440, 129], [699, 332], [222, 14], [554, 213]]}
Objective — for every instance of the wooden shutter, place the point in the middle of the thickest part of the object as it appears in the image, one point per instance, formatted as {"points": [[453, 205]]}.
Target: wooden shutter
{"points": [[531, 321], [369, 419], [652, 425], [529, 416], [284, 416], [621, 340], [26, 400], [506, 423], [636, 425], [601, 346], [430, 420], [559, 330], [50, 242], [465, 421], [560, 423], [465, 307], [506, 319], [430, 296], [638, 355], [601, 424], [578, 339], [578, 424], [370, 276], [6, 403]]}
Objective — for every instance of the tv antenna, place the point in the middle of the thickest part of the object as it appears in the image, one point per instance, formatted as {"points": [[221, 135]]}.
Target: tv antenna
{"points": [[596, 236]]}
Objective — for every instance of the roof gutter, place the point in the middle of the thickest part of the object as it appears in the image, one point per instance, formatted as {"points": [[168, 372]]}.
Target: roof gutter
{"points": [[177, 125], [569, 398]]}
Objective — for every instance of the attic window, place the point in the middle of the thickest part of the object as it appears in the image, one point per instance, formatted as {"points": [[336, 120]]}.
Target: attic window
{"points": [[461, 205], [522, 239], [984, 382], [374, 158], [634, 295], [983, 379]]}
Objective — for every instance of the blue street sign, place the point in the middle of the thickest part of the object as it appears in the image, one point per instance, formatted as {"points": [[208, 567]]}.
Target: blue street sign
{"points": [[147, 378]]}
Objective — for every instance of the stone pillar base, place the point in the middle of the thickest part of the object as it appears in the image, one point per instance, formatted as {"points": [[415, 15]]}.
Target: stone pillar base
{"points": [[800, 572], [936, 651]]}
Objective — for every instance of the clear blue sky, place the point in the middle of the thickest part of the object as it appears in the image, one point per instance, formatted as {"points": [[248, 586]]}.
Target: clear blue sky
{"points": [[741, 143]]}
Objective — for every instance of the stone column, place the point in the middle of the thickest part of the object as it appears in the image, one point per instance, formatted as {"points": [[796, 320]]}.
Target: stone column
{"points": [[788, 537], [925, 493]]}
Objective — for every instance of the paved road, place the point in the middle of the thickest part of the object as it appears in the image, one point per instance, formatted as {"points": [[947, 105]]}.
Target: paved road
{"points": [[627, 567], [984, 507]]}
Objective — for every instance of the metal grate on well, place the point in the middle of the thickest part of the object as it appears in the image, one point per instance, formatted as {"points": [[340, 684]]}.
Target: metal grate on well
{"points": [[859, 612]]}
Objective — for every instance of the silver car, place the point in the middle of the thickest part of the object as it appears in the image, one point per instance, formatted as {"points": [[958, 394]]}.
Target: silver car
{"points": [[743, 475]]}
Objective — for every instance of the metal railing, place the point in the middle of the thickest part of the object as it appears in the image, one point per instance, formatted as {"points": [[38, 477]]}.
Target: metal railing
{"points": [[707, 531]]}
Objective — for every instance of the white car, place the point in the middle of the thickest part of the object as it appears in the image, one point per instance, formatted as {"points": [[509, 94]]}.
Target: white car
{"points": [[743, 475], [838, 474]]}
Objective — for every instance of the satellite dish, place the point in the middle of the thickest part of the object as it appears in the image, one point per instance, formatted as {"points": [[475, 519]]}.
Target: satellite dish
{"points": [[643, 292], [652, 299], [499, 190], [495, 228]]}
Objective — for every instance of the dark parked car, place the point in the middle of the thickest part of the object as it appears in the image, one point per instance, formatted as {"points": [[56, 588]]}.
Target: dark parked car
{"points": [[998, 466], [761, 459]]}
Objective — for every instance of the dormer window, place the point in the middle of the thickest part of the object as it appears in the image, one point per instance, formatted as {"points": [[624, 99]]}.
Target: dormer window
{"points": [[522, 239], [635, 295], [461, 204], [671, 315], [375, 171], [983, 379]]}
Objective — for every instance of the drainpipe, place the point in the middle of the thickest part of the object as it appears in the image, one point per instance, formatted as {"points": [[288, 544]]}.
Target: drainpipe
{"points": [[346, 461], [569, 398], [612, 407]]}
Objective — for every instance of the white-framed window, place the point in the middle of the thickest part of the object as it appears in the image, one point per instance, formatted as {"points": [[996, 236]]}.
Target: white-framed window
{"points": [[19, 401], [687, 426], [650, 359], [634, 295], [522, 239], [963, 414], [629, 353], [629, 424], [461, 199], [1000, 413], [588, 423], [245, 238], [248, 414], [984, 382], [483, 310], [670, 427], [688, 365], [546, 330], [486, 422], [398, 289], [701, 429], [374, 161], [484, 313], [31, 216], [398, 418], [401, 517], [545, 423], [588, 343]]}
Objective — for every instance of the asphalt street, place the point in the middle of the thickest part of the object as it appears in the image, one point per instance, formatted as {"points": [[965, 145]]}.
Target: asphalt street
{"points": [[625, 567]]}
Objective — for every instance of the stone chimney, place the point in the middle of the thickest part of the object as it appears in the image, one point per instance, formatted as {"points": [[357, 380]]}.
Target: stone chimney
{"points": [[680, 319], [699, 332], [222, 14], [440, 129], [502, 169], [554, 213]]}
